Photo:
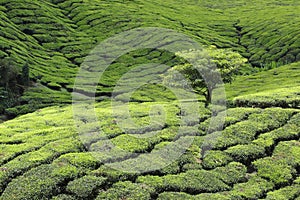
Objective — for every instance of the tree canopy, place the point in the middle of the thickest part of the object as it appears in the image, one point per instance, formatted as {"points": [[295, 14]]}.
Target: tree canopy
{"points": [[12, 83], [211, 67]]}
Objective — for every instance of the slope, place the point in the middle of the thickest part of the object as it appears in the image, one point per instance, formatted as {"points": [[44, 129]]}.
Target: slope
{"points": [[254, 156], [54, 36]]}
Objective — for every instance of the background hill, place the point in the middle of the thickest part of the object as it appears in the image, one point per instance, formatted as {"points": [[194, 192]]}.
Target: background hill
{"points": [[54, 37]]}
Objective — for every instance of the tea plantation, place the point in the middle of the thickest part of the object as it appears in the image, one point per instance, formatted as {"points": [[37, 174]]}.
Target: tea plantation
{"points": [[49, 150], [256, 155]]}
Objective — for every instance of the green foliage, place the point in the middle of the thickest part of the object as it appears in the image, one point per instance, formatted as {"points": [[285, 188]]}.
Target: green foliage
{"points": [[81, 160], [40, 183], [245, 131], [63, 197], [208, 65], [9, 80], [282, 166], [196, 181], [113, 175], [287, 132], [181, 195], [48, 136], [289, 151], [55, 36], [276, 170], [127, 190], [254, 188], [174, 195], [41, 155], [235, 115], [25, 75], [286, 98], [158, 93], [232, 173], [215, 159], [132, 143], [266, 85], [8, 75], [246, 153], [289, 192], [85, 186], [35, 158]]}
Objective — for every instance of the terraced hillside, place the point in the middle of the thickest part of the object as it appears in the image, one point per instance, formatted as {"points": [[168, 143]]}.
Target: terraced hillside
{"points": [[57, 152], [54, 36], [276, 87], [256, 155]]}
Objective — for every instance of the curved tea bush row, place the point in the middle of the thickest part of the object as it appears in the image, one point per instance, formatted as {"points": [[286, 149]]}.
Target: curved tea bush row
{"points": [[285, 79], [46, 142], [284, 97], [254, 188]]}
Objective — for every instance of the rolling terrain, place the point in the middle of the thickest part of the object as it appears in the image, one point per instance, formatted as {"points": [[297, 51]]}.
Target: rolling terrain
{"points": [[254, 155], [54, 37]]}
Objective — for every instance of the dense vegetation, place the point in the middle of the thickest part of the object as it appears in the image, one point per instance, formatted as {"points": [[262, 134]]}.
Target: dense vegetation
{"points": [[54, 36], [255, 154]]}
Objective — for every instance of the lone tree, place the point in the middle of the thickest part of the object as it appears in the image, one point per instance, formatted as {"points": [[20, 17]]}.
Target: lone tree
{"points": [[210, 65]]}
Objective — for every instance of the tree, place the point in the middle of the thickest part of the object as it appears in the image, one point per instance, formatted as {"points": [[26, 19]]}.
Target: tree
{"points": [[12, 82], [210, 68], [8, 75], [25, 75], [9, 90]]}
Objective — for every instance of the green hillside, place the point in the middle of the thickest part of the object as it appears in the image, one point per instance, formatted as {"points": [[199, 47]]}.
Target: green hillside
{"points": [[256, 155], [53, 150], [277, 87]]}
